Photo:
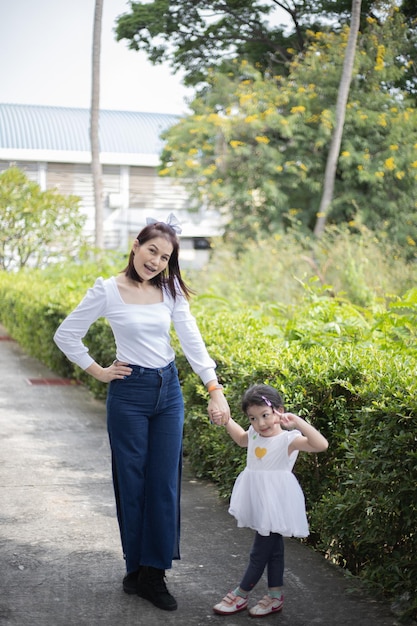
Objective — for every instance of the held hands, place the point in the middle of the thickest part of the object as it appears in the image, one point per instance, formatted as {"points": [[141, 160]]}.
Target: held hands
{"points": [[219, 411]]}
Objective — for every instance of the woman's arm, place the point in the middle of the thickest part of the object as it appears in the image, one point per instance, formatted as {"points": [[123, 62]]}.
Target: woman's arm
{"points": [[217, 404]]}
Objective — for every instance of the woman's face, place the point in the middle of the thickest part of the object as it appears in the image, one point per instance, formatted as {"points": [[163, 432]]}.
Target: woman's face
{"points": [[151, 258]]}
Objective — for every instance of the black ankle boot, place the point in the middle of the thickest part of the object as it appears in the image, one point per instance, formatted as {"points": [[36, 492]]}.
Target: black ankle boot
{"points": [[153, 588], [131, 581]]}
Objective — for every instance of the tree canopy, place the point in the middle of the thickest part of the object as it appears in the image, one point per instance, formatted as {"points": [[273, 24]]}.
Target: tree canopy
{"points": [[35, 225], [255, 146], [197, 36], [256, 143]]}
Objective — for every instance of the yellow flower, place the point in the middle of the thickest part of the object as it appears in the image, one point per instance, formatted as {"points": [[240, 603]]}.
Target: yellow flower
{"points": [[393, 147], [250, 118], [214, 118], [208, 171], [345, 153], [192, 151], [298, 109], [414, 164], [190, 163], [360, 168], [279, 168], [390, 163], [410, 241], [379, 174], [381, 120], [379, 65], [262, 139], [243, 99], [164, 172], [371, 20], [400, 175], [235, 143]]}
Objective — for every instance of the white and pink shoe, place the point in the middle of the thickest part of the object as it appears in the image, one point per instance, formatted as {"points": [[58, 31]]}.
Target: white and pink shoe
{"points": [[230, 604], [266, 606]]}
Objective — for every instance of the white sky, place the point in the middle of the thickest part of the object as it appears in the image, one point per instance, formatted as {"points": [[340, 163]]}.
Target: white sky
{"points": [[46, 49]]}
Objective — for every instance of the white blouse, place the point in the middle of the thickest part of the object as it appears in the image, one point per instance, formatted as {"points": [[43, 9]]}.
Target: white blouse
{"points": [[141, 331]]}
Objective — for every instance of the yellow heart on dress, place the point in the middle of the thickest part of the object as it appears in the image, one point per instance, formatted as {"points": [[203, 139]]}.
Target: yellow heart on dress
{"points": [[260, 452]]}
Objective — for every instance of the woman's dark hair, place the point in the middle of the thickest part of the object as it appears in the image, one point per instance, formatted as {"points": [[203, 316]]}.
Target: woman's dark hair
{"points": [[261, 394], [170, 278]]}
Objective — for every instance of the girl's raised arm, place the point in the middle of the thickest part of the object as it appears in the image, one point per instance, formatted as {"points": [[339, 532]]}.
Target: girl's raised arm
{"points": [[310, 441]]}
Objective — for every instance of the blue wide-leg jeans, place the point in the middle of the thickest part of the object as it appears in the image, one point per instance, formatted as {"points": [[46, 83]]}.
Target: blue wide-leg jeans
{"points": [[145, 417]]}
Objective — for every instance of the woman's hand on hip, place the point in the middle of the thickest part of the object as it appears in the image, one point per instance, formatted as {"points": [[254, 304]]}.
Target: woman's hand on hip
{"points": [[116, 371]]}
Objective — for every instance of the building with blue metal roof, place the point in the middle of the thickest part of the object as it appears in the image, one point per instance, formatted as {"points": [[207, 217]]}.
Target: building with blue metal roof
{"points": [[52, 145]]}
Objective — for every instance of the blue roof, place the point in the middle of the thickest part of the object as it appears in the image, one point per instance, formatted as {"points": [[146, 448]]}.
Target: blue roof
{"points": [[32, 127]]}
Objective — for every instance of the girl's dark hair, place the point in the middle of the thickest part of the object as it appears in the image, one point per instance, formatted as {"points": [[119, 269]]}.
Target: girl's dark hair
{"points": [[170, 278], [261, 394]]}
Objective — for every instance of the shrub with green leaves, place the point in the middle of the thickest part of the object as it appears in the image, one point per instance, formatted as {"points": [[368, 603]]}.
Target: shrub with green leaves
{"points": [[347, 367]]}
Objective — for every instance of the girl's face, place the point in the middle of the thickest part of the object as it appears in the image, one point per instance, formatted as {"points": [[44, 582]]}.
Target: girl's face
{"points": [[265, 420], [151, 258]]}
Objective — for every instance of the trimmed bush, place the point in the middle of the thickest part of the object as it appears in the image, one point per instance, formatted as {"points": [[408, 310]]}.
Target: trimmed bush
{"points": [[350, 370]]}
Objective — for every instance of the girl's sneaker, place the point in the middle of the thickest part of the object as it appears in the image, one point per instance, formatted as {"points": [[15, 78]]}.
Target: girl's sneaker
{"points": [[266, 606], [230, 604]]}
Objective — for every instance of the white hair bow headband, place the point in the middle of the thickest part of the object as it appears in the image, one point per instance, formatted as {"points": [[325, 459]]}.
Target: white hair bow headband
{"points": [[171, 221]]}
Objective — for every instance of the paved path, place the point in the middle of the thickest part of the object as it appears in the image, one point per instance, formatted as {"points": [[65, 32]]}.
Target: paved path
{"points": [[60, 557]]}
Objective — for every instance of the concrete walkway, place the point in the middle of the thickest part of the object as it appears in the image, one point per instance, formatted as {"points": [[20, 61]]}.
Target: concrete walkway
{"points": [[60, 556]]}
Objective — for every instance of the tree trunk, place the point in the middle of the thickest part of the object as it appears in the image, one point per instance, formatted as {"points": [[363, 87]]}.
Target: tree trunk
{"points": [[342, 98], [96, 168]]}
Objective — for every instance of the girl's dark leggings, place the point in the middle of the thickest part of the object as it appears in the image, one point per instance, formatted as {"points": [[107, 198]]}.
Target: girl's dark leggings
{"points": [[266, 552]]}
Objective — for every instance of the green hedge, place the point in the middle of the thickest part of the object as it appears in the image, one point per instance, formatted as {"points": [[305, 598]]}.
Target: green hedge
{"points": [[350, 371]]}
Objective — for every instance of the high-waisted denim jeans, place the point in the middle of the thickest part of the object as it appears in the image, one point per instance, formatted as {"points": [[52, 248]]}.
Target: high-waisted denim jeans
{"points": [[145, 417]]}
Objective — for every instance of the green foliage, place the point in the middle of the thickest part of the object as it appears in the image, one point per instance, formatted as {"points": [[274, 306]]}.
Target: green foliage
{"points": [[276, 271], [36, 226], [196, 37], [255, 145]]}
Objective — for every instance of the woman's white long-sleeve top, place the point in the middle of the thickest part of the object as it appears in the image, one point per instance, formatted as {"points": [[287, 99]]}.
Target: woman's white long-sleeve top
{"points": [[141, 332]]}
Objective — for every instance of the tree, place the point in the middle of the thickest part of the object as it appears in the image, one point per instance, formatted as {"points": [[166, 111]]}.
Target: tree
{"points": [[255, 147], [96, 167], [342, 98], [36, 226], [197, 36]]}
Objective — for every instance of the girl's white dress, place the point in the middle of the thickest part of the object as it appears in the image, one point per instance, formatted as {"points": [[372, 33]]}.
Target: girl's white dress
{"points": [[267, 496]]}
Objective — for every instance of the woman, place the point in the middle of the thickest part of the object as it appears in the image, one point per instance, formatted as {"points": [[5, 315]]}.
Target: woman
{"points": [[145, 410]]}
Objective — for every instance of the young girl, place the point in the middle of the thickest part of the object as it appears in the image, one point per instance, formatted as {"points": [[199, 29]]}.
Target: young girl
{"points": [[267, 496]]}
